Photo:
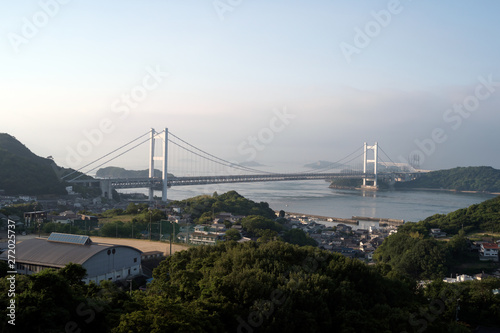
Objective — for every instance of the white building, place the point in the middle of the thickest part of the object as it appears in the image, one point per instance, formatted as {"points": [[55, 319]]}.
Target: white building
{"points": [[489, 251]]}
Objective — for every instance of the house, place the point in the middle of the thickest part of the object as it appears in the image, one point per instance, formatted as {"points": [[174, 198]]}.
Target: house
{"points": [[459, 278], [343, 228], [151, 255], [69, 214], [32, 217], [102, 261], [488, 251], [204, 238], [481, 276], [437, 233]]}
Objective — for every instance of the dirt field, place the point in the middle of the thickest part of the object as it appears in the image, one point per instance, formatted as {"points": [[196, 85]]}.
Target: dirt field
{"points": [[143, 245]]}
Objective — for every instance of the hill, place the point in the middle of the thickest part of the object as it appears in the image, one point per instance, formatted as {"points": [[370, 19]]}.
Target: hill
{"points": [[203, 207], [116, 172], [322, 165], [484, 179], [482, 217], [251, 164], [23, 172]]}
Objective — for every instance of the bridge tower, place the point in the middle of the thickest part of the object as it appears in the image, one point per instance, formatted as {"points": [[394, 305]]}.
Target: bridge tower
{"points": [[164, 158], [374, 161]]}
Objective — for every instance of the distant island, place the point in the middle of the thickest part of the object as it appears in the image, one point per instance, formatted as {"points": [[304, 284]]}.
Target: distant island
{"points": [[117, 172], [477, 179], [464, 179], [251, 164], [322, 165]]}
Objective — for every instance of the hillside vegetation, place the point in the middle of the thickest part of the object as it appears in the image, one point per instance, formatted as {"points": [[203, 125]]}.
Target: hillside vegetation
{"points": [[22, 172], [203, 207], [461, 179], [482, 217]]}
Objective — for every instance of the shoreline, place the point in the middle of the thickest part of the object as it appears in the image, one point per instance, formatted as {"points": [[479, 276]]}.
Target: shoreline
{"points": [[415, 189], [446, 190], [353, 221]]}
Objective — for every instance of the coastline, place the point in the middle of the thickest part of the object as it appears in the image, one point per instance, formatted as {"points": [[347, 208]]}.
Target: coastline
{"points": [[417, 189], [446, 190]]}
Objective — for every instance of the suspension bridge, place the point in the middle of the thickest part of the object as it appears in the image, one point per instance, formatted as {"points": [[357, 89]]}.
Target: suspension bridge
{"points": [[215, 170]]}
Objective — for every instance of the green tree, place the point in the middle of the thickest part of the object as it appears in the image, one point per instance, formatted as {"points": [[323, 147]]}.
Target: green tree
{"points": [[253, 223], [298, 237], [232, 235], [267, 235]]}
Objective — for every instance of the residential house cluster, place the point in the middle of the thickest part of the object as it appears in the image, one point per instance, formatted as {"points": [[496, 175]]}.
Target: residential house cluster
{"points": [[211, 233], [346, 239], [465, 277]]}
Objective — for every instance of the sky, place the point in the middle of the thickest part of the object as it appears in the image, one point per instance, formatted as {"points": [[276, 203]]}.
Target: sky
{"points": [[274, 82]]}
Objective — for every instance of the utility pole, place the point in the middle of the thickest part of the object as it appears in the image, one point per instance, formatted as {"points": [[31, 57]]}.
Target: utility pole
{"points": [[150, 213]]}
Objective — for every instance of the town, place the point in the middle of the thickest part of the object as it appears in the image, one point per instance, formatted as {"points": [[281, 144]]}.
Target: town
{"points": [[357, 237]]}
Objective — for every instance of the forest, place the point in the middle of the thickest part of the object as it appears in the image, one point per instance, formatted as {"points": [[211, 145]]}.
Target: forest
{"points": [[249, 287], [271, 285], [482, 178], [203, 207], [482, 217]]}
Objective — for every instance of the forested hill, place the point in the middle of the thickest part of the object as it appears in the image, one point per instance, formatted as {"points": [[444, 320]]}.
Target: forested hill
{"points": [[22, 172], [203, 207], [484, 216], [461, 179]]}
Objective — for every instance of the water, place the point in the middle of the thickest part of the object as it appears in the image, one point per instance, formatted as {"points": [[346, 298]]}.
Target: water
{"points": [[315, 197]]}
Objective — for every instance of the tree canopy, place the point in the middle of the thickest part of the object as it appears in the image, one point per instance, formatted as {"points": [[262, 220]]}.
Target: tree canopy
{"points": [[484, 216], [203, 207], [481, 178]]}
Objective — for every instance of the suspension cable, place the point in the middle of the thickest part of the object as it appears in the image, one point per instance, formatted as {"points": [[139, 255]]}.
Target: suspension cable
{"points": [[113, 158], [100, 158], [334, 164], [226, 163]]}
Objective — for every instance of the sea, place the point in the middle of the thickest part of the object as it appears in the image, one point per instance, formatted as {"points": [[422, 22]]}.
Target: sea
{"points": [[316, 198]]}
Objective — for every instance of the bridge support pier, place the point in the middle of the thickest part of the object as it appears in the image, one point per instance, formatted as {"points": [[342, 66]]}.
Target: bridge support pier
{"points": [[164, 158], [151, 162], [374, 161], [106, 188]]}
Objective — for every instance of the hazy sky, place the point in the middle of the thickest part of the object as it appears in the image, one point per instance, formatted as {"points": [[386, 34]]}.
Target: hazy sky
{"points": [[270, 81]]}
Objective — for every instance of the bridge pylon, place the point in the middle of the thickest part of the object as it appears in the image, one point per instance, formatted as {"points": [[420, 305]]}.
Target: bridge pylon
{"points": [[374, 185], [164, 158]]}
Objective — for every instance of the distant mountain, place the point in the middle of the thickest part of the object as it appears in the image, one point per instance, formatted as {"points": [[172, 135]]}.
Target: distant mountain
{"points": [[251, 164], [116, 172], [481, 178], [322, 165], [22, 172]]}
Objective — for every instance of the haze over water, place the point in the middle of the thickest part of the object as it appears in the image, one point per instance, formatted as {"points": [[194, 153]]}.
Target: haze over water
{"points": [[315, 197]]}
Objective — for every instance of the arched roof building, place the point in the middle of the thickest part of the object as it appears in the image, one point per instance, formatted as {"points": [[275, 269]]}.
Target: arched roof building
{"points": [[102, 261]]}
